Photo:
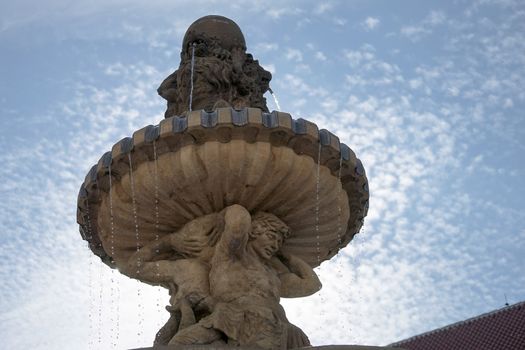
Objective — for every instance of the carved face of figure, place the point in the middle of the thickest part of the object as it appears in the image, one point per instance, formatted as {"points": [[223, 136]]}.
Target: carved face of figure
{"points": [[267, 235], [267, 244]]}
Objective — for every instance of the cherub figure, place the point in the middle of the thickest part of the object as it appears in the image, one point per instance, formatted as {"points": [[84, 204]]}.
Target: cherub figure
{"points": [[226, 276]]}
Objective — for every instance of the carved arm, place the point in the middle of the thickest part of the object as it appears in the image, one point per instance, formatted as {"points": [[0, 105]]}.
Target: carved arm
{"points": [[142, 263], [301, 281], [237, 226], [150, 262]]}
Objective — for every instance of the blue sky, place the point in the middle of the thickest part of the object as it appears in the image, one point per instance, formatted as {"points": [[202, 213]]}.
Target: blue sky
{"points": [[428, 94]]}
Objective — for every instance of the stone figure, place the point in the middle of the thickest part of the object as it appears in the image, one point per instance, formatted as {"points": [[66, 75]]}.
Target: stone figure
{"points": [[226, 274]]}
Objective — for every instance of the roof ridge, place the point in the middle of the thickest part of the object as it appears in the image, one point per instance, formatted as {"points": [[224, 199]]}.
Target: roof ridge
{"points": [[460, 323]]}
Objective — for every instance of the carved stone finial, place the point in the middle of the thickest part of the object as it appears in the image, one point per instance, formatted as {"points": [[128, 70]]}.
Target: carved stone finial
{"points": [[224, 30], [223, 73]]}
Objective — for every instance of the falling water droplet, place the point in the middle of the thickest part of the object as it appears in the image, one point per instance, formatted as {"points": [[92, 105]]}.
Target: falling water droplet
{"points": [[191, 74]]}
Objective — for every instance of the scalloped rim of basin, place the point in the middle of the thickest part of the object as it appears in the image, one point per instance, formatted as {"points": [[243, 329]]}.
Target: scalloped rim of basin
{"points": [[224, 125]]}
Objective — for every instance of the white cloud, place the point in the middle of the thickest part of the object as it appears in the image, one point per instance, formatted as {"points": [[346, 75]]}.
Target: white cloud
{"points": [[294, 55], [435, 18], [508, 103], [323, 7], [320, 56], [453, 91], [414, 32], [270, 68], [415, 83], [371, 23], [278, 12], [370, 70], [330, 104], [340, 21], [425, 27], [265, 47], [491, 85], [356, 57], [299, 87], [428, 73]]}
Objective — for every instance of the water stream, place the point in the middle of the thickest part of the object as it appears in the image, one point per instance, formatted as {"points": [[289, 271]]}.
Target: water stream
{"points": [[339, 221], [317, 187], [156, 180], [339, 257], [115, 289], [274, 99], [90, 277], [100, 301], [191, 74], [137, 240], [317, 193], [91, 302]]}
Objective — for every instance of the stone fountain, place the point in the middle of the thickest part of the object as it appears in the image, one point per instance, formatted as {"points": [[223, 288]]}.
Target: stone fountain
{"points": [[225, 204]]}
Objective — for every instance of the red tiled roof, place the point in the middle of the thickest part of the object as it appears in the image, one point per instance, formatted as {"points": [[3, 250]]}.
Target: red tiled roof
{"points": [[501, 329]]}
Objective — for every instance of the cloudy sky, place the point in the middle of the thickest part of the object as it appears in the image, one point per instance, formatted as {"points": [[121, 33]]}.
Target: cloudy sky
{"points": [[430, 95]]}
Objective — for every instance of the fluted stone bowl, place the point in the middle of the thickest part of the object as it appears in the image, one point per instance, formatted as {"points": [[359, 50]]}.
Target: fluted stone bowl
{"points": [[164, 176]]}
